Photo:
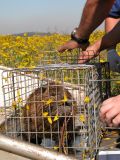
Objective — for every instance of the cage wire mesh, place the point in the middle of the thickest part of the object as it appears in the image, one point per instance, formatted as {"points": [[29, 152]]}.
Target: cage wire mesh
{"points": [[56, 104], [56, 107], [73, 57], [69, 57]]}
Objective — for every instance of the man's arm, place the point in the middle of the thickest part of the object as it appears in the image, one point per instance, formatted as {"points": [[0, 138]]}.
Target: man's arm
{"points": [[107, 41], [111, 38], [95, 11]]}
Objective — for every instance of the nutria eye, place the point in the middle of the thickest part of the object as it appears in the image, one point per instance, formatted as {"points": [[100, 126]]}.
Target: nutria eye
{"points": [[68, 103]]}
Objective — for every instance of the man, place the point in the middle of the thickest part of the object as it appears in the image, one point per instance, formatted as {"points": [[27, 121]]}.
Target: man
{"points": [[110, 22], [92, 17]]}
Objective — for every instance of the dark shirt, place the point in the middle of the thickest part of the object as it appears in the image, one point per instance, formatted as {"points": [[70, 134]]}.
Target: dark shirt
{"points": [[115, 10]]}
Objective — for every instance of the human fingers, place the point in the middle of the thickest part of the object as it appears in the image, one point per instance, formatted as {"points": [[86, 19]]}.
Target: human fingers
{"points": [[105, 102], [110, 109], [111, 115], [85, 56], [105, 107], [62, 48], [68, 46], [116, 121], [103, 110]]}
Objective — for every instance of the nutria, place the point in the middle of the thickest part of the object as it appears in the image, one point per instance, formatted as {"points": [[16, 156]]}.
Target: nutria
{"points": [[48, 113]]}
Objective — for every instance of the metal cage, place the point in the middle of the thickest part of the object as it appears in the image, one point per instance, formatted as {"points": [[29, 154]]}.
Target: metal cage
{"points": [[55, 106], [73, 57]]}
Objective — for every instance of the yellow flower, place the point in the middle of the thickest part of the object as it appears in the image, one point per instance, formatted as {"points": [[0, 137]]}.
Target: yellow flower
{"points": [[66, 78], [50, 120], [117, 82], [65, 98], [27, 107], [6, 79], [87, 99], [107, 139], [19, 100], [25, 34], [18, 37], [56, 118], [102, 61], [41, 75], [55, 147], [18, 93], [95, 106], [45, 114], [14, 104], [82, 118], [49, 101]]}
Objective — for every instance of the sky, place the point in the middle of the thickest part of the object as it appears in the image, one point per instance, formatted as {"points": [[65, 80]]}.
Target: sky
{"points": [[18, 16]]}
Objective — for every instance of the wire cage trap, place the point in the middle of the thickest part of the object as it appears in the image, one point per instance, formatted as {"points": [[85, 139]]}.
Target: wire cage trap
{"points": [[73, 57], [56, 107]]}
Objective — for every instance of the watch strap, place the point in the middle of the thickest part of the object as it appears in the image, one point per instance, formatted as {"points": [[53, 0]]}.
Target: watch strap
{"points": [[79, 40]]}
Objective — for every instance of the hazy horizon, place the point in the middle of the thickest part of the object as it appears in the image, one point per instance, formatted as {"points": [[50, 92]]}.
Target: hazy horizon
{"points": [[18, 16]]}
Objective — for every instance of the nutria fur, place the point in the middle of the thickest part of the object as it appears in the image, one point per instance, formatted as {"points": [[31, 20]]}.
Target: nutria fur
{"points": [[36, 106]]}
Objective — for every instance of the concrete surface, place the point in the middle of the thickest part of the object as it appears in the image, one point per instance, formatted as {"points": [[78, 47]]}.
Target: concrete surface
{"points": [[109, 155], [9, 156]]}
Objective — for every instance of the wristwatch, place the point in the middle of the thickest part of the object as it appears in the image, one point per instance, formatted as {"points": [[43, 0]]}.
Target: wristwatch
{"points": [[78, 40]]}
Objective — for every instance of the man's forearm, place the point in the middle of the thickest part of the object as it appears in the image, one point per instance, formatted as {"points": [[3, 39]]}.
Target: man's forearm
{"points": [[111, 38], [94, 13]]}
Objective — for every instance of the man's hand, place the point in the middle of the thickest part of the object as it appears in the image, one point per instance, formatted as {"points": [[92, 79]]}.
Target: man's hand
{"points": [[91, 52], [70, 45], [110, 111]]}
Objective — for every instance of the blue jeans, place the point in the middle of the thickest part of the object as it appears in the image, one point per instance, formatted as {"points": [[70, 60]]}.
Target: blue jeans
{"points": [[114, 60]]}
